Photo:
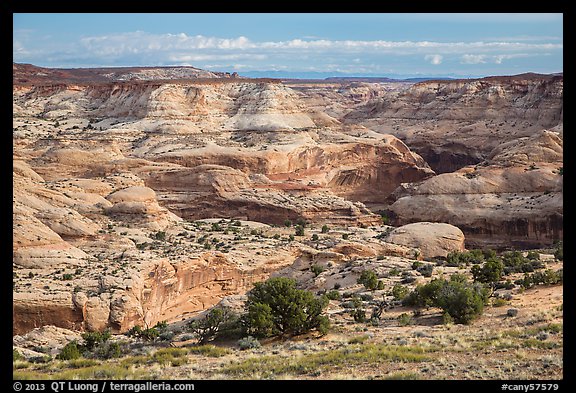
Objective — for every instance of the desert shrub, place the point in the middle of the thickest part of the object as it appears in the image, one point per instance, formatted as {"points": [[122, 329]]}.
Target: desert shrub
{"points": [[299, 230], [314, 237], [215, 227], [462, 300], [216, 321], [277, 307], [248, 343], [160, 235], [504, 285], [16, 355], [404, 319], [369, 279], [533, 255], [358, 339], [93, 339], [359, 315], [345, 236], [135, 331], [70, 351], [149, 334], [380, 285], [559, 252], [317, 269], [425, 295], [333, 295], [399, 291], [325, 229], [161, 326], [166, 335], [394, 271], [499, 302], [337, 285], [109, 350], [425, 269], [287, 223], [547, 277], [490, 272]]}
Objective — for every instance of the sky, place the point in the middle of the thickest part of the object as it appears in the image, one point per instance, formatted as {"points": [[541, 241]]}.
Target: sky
{"points": [[339, 44]]}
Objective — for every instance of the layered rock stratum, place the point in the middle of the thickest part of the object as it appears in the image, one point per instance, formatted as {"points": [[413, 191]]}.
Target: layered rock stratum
{"points": [[150, 194], [111, 176]]}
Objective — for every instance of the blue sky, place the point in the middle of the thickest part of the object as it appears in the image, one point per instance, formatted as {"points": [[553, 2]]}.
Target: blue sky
{"points": [[351, 44]]}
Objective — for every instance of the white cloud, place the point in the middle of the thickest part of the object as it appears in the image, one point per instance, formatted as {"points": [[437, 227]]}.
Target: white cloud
{"points": [[141, 41], [434, 59], [473, 59], [497, 59], [143, 48]]}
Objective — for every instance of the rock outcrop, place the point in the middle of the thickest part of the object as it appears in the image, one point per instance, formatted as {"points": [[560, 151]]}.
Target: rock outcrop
{"points": [[513, 198], [432, 239], [456, 123]]}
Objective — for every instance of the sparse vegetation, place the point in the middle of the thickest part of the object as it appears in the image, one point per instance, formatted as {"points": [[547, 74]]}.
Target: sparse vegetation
{"points": [[299, 230], [277, 307], [216, 321], [317, 269], [369, 279], [248, 343], [462, 300]]}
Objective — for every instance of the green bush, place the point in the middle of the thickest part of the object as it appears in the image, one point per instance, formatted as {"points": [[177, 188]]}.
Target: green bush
{"points": [[317, 269], [325, 229], [369, 279], [559, 252], [425, 269], [299, 230], [458, 298], [404, 319], [16, 355], [359, 315], [399, 291], [277, 307], [345, 236], [287, 223], [490, 272], [108, 350], [135, 331], [160, 235], [463, 301], [70, 351], [216, 321], [248, 343], [93, 339], [547, 277], [150, 334], [333, 295], [425, 295], [314, 237]]}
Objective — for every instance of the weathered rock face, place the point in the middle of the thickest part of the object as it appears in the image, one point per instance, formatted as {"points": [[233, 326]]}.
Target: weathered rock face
{"points": [[452, 124], [108, 177], [432, 239], [50, 338], [514, 198]]}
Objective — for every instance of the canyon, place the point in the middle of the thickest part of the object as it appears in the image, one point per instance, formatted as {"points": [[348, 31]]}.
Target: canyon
{"points": [[151, 194]]}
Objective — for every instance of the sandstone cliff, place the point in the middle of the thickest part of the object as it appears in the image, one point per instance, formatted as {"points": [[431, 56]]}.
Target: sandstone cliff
{"points": [[452, 124]]}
